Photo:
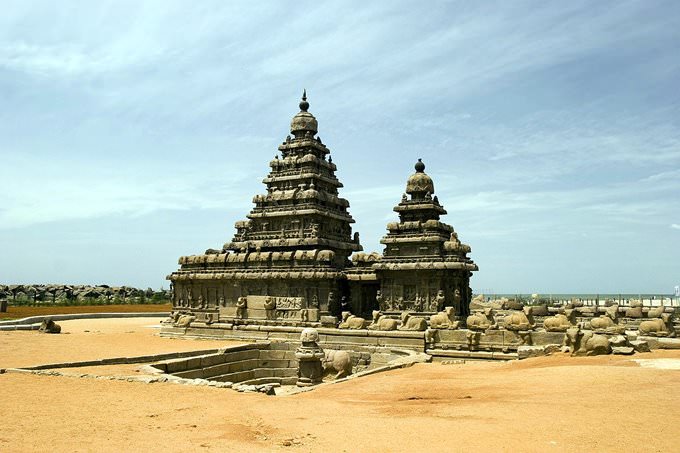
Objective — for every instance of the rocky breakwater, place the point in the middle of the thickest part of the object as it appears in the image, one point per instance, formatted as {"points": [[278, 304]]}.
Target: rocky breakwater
{"points": [[65, 294]]}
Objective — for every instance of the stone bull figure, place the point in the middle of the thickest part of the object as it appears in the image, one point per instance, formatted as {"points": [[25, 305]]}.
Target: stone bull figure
{"points": [[349, 321], [338, 362], [586, 342], [659, 327], [481, 321], [520, 320], [382, 322], [561, 321], [409, 322], [444, 319]]}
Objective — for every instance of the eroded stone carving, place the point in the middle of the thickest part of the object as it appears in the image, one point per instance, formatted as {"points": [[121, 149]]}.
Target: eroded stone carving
{"points": [[659, 327], [310, 357], [349, 321], [445, 319], [410, 322], [481, 321], [656, 312], [382, 322], [520, 320], [561, 321], [185, 320], [585, 342], [608, 322], [339, 362], [241, 306]]}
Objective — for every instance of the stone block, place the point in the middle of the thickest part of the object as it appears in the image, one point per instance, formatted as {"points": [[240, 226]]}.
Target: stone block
{"points": [[329, 321], [190, 374], [241, 355], [173, 366], [525, 352], [283, 346], [618, 341], [275, 355], [623, 350], [212, 359], [545, 338], [640, 346], [273, 363]]}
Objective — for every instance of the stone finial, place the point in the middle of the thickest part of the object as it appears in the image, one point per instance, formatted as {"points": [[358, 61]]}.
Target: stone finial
{"points": [[420, 166], [304, 105]]}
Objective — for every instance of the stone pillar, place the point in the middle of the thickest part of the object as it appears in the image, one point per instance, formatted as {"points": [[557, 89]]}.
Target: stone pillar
{"points": [[309, 355], [3, 305]]}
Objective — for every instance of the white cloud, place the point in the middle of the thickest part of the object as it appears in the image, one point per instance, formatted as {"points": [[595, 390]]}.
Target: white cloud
{"points": [[675, 226]]}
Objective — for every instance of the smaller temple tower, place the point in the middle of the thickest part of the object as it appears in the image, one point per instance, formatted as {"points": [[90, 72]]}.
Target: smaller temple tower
{"points": [[424, 266]]}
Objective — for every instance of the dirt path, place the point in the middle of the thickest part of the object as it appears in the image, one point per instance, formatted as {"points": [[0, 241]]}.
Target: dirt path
{"points": [[548, 404]]}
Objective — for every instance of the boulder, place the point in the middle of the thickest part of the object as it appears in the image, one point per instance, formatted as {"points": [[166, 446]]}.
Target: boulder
{"points": [[640, 345], [623, 350]]}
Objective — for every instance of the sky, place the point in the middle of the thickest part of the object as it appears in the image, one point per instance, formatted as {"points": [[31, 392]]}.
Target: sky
{"points": [[132, 133]]}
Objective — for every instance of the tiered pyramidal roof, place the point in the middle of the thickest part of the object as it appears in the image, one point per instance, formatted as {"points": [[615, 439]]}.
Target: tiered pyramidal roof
{"points": [[301, 209], [419, 240]]}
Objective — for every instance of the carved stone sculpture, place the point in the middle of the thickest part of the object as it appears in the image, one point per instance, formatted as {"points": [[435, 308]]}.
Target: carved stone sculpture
{"points": [[608, 322], [445, 319], [185, 320], [656, 312], [338, 362], [241, 305], [585, 342], [382, 322], [309, 356], [349, 321], [659, 327], [635, 309], [270, 307], [481, 321], [49, 326], [409, 322], [520, 320], [561, 321]]}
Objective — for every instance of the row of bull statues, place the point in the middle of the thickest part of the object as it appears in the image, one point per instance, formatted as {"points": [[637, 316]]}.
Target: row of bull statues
{"points": [[658, 322]]}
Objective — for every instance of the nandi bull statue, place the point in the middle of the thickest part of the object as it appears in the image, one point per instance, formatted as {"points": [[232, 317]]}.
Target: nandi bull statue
{"points": [[481, 321], [382, 322], [477, 323], [338, 362], [635, 309], [409, 322], [520, 320], [609, 322], [444, 319], [349, 321], [585, 342], [659, 327], [561, 321]]}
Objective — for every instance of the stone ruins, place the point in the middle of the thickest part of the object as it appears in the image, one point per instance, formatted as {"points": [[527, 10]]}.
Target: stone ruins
{"points": [[295, 264]]}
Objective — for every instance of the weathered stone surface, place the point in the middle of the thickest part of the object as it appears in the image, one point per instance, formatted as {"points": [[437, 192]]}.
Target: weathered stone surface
{"points": [[618, 340], [640, 345], [524, 352], [623, 350]]}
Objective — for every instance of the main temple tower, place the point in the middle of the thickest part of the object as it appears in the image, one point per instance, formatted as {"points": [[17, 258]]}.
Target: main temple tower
{"points": [[286, 260]]}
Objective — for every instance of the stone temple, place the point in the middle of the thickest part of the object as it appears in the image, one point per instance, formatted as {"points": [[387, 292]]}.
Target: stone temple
{"points": [[293, 260], [295, 270]]}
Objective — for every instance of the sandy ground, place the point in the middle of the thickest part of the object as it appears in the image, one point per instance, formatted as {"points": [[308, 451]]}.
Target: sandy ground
{"points": [[548, 404]]}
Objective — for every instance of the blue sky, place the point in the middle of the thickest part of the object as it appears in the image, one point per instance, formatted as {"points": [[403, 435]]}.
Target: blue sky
{"points": [[135, 132]]}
